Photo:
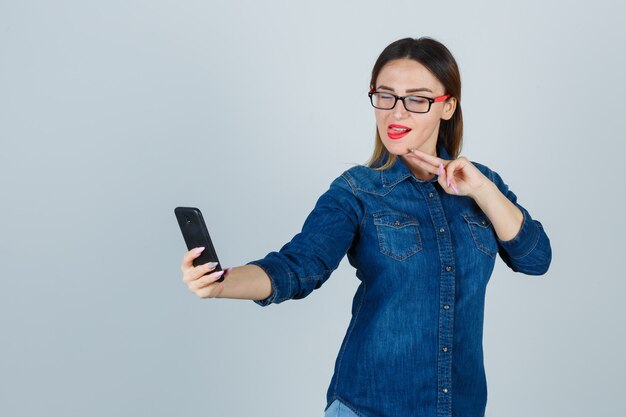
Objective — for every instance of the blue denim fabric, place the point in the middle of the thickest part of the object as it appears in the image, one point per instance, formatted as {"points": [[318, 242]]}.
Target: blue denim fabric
{"points": [[424, 257]]}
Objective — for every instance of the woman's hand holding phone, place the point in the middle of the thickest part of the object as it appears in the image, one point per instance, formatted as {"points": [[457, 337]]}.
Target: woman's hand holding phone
{"points": [[199, 279], [202, 271]]}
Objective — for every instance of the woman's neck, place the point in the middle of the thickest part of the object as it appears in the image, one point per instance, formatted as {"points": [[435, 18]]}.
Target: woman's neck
{"points": [[418, 172]]}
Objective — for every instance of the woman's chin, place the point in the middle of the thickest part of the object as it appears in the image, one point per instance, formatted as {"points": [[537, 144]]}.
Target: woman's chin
{"points": [[397, 149]]}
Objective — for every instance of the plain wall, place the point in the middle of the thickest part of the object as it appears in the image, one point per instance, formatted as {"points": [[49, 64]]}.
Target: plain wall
{"points": [[113, 113]]}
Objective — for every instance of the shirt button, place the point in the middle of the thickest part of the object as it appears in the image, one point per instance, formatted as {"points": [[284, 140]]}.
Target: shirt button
{"points": [[445, 349], [448, 268], [430, 195], [441, 230], [446, 307], [397, 223], [445, 390], [484, 222]]}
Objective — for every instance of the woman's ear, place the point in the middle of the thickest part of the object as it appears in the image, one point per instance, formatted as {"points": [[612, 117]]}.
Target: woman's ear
{"points": [[448, 108]]}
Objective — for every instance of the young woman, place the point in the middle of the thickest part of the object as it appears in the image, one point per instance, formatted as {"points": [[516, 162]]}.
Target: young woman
{"points": [[422, 226]]}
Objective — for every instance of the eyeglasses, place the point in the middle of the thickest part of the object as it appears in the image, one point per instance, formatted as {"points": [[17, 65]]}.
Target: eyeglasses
{"points": [[413, 104]]}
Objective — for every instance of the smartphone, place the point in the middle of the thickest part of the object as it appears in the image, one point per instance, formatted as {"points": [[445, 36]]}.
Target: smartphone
{"points": [[196, 234]]}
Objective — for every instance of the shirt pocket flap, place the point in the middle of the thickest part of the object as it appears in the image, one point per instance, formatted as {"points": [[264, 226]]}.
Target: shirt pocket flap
{"points": [[396, 220], [480, 220]]}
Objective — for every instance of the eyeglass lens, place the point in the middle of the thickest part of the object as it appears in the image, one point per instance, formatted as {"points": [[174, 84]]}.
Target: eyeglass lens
{"points": [[412, 103]]}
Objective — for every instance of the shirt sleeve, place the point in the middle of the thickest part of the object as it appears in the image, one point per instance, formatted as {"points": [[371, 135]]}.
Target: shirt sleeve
{"points": [[306, 262], [529, 252]]}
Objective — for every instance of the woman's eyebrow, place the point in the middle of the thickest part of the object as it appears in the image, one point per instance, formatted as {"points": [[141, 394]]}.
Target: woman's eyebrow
{"points": [[410, 90]]}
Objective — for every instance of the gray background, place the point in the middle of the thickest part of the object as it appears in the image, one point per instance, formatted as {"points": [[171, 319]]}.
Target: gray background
{"points": [[113, 113]]}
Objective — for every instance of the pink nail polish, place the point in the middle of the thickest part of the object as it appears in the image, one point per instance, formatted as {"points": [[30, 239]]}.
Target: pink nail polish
{"points": [[440, 169], [455, 189], [448, 181], [198, 250], [219, 274]]}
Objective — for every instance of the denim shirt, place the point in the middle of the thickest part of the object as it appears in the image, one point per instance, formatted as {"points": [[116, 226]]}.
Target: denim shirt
{"points": [[423, 257]]}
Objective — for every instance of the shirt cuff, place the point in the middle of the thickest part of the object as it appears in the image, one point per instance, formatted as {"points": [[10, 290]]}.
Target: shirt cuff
{"points": [[525, 240], [281, 285]]}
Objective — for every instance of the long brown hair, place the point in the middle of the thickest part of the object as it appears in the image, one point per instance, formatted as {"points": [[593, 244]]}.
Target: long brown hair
{"points": [[438, 59]]}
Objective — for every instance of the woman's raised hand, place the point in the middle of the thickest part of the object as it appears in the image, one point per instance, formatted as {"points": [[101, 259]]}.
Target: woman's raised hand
{"points": [[199, 279], [457, 176]]}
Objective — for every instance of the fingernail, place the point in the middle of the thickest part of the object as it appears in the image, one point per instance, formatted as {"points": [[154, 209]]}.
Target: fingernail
{"points": [[440, 169], [454, 188], [211, 265], [198, 250], [219, 274], [448, 180]]}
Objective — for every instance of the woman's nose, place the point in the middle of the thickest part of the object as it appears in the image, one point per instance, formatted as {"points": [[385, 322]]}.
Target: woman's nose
{"points": [[399, 112]]}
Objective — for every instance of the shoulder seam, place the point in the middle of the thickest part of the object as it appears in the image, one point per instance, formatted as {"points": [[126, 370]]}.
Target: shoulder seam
{"points": [[347, 178]]}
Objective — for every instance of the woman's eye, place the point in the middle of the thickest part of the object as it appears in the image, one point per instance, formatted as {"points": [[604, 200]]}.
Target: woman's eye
{"points": [[385, 97], [416, 100]]}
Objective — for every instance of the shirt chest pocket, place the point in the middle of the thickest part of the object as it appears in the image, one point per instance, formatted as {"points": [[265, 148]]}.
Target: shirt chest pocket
{"points": [[398, 234], [483, 234]]}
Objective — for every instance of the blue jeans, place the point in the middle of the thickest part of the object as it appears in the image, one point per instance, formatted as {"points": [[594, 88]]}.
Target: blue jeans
{"points": [[339, 409]]}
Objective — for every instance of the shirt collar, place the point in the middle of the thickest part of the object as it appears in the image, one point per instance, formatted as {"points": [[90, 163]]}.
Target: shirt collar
{"points": [[399, 171]]}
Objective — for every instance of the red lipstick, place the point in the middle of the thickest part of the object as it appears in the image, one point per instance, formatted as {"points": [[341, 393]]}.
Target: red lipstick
{"points": [[396, 132]]}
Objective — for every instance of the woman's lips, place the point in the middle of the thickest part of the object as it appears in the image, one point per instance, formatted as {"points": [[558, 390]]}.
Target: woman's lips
{"points": [[396, 132]]}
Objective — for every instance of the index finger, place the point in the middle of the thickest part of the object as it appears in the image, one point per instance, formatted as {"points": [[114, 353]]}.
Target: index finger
{"points": [[189, 257], [430, 158]]}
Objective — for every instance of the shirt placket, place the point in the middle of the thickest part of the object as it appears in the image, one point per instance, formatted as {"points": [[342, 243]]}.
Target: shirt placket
{"points": [[446, 299]]}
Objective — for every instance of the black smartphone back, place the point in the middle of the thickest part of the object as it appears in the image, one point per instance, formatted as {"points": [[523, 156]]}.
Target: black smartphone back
{"points": [[196, 234]]}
